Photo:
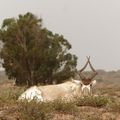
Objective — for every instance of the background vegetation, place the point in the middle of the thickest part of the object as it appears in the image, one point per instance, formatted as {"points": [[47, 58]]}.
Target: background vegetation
{"points": [[32, 54]]}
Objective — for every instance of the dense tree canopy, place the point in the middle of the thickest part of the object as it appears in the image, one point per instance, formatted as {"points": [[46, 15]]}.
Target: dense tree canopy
{"points": [[32, 54]]}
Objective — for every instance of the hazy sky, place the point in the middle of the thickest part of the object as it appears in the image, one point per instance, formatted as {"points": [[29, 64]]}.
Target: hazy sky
{"points": [[91, 26]]}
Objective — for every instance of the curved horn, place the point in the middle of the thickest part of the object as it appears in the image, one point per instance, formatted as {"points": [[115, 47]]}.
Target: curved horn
{"points": [[80, 71], [94, 71]]}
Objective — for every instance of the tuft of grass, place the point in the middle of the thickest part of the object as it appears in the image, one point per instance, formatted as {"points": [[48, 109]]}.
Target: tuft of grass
{"points": [[114, 107], [9, 96], [65, 107], [34, 111], [45, 111], [93, 101]]}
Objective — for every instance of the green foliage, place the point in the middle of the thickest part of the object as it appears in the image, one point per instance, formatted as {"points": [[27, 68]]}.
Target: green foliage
{"points": [[65, 107], [35, 111], [45, 111], [33, 54], [9, 96], [99, 101], [38, 111]]}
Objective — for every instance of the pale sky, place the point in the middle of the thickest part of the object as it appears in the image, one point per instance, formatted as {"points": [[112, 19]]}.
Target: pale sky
{"points": [[91, 26]]}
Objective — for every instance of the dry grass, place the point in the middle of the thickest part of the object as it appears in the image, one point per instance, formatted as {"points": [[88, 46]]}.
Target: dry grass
{"points": [[104, 107]]}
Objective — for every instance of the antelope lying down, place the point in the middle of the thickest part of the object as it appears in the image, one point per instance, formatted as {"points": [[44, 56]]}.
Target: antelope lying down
{"points": [[67, 90]]}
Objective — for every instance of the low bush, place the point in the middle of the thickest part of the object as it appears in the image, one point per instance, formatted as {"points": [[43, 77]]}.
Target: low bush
{"points": [[34, 111], [9, 96], [98, 101], [44, 111], [65, 107]]}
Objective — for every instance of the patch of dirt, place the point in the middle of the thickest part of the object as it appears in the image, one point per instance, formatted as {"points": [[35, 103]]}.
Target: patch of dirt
{"points": [[8, 113], [59, 116], [89, 113], [7, 85], [110, 116]]}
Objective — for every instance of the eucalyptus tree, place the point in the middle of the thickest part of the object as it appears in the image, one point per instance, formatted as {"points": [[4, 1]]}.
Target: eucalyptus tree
{"points": [[33, 54]]}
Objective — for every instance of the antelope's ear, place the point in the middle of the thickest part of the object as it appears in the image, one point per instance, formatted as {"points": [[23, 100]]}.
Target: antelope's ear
{"points": [[76, 81], [93, 83]]}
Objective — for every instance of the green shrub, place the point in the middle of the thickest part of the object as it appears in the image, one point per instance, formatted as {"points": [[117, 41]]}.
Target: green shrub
{"points": [[45, 111], [65, 107], [35, 111], [93, 101], [9, 96]]}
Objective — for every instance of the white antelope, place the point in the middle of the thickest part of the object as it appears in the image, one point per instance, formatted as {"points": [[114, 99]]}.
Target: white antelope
{"points": [[67, 90]]}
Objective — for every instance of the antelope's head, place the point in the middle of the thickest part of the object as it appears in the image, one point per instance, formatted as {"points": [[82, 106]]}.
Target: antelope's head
{"points": [[87, 82], [85, 87]]}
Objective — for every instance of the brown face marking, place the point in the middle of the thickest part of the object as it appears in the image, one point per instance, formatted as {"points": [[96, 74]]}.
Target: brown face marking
{"points": [[86, 81]]}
